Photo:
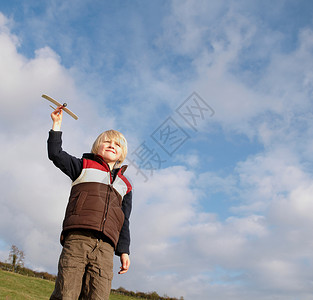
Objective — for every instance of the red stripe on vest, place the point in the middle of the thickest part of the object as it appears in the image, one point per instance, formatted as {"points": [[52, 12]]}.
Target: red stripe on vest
{"points": [[91, 164]]}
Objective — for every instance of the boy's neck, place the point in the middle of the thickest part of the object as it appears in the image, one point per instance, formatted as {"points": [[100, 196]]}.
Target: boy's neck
{"points": [[111, 165]]}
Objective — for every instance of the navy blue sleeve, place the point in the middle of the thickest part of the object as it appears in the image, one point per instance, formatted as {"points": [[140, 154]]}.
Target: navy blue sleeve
{"points": [[67, 163], [124, 239]]}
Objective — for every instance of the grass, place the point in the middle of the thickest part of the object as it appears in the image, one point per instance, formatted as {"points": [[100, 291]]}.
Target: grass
{"points": [[19, 287]]}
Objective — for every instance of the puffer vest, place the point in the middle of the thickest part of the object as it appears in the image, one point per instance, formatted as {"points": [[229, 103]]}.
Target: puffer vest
{"points": [[95, 200]]}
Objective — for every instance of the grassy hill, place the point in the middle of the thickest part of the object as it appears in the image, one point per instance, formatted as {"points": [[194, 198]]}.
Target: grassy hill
{"points": [[19, 287]]}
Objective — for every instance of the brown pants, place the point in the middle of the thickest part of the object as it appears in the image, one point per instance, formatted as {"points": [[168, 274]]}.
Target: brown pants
{"points": [[85, 268]]}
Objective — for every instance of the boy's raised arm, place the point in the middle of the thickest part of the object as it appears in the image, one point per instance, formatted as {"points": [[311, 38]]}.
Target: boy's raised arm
{"points": [[56, 117]]}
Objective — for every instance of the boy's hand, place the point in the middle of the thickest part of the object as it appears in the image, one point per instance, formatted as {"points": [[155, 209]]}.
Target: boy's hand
{"points": [[125, 263], [56, 117]]}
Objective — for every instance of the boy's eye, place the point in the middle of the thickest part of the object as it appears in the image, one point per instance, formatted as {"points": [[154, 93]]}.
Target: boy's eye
{"points": [[115, 143]]}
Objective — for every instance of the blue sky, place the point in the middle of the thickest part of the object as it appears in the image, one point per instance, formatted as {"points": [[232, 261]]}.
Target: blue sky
{"points": [[226, 211]]}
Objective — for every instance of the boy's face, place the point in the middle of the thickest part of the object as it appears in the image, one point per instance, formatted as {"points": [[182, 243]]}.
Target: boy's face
{"points": [[110, 151]]}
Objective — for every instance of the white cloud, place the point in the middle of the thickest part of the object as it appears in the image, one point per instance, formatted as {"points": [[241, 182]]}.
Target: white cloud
{"points": [[275, 185]]}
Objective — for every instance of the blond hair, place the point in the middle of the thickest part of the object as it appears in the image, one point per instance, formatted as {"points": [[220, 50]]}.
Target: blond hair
{"points": [[111, 135]]}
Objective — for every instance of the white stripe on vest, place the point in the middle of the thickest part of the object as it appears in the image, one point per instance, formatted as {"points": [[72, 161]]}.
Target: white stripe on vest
{"points": [[93, 175], [99, 176], [120, 186]]}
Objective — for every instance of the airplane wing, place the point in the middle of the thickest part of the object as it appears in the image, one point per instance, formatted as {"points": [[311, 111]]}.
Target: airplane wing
{"points": [[59, 104]]}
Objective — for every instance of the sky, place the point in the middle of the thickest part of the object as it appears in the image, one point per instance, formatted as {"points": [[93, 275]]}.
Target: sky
{"points": [[215, 100]]}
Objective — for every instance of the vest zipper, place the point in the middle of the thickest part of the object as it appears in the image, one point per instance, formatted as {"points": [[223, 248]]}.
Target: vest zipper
{"points": [[107, 199], [107, 202]]}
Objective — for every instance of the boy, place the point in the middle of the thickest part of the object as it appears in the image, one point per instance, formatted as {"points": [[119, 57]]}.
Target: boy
{"points": [[96, 221]]}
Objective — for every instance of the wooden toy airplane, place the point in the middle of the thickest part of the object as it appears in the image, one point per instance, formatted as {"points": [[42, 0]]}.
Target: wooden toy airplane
{"points": [[59, 104]]}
